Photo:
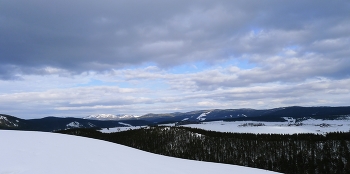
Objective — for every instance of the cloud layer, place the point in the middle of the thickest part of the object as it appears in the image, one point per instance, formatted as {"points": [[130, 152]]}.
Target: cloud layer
{"points": [[83, 57]]}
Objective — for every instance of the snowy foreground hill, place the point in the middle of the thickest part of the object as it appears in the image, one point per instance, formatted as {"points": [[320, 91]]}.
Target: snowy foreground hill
{"points": [[49, 153]]}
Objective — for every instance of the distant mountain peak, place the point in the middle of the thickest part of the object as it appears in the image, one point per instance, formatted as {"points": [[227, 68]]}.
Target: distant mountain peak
{"points": [[110, 117]]}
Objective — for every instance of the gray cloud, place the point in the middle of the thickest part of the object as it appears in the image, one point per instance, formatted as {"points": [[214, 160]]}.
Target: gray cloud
{"points": [[83, 57], [87, 35]]}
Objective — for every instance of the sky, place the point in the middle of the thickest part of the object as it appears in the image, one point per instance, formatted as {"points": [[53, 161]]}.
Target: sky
{"points": [[77, 58]]}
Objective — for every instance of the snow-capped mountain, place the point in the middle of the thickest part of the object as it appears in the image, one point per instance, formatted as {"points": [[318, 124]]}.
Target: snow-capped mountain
{"points": [[110, 117], [109, 120]]}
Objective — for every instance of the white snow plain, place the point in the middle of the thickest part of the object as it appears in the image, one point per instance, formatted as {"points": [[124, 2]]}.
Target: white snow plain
{"points": [[316, 126], [25, 152]]}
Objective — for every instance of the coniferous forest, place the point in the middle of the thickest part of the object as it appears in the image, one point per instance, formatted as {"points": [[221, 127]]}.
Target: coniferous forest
{"points": [[298, 153]]}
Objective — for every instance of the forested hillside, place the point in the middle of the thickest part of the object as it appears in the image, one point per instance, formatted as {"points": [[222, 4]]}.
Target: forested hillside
{"points": [[298, 153]]}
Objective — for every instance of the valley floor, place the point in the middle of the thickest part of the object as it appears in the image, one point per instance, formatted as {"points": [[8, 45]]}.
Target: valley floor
{"points": [[306, 126], [316, 126]]}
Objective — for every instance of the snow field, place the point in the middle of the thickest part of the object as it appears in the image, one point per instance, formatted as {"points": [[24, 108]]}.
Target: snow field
{"points": [[42, 153], [307, 126]]}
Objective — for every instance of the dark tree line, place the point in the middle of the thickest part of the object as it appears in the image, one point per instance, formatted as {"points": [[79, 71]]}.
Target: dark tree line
{"points": [[298, 153]]}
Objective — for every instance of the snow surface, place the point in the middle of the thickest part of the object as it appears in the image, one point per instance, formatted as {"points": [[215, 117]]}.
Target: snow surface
{"points": [[3, 118], [125, 124], [315, 126], [200, 117], [74, 124], [307, 126], [8, 122], [43, 153]]}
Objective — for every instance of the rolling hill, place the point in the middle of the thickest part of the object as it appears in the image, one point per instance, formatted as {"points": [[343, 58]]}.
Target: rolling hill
{"points": [[42, 153]]}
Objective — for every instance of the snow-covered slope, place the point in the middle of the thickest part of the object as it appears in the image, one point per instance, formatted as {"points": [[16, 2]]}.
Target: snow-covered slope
{"points": [[7, 121], [200, 117], [43, 153]]}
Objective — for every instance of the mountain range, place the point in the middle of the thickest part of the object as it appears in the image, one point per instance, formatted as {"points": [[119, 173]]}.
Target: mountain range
{"points": [[111, 117], [110, 120], [57, 123]]}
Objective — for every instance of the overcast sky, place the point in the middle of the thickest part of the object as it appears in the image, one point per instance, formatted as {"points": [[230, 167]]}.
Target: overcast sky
{"points": [[76, 58]]}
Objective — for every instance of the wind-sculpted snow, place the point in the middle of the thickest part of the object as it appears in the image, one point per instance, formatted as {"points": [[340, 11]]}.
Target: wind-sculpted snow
{"points": [[49, 153]]}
